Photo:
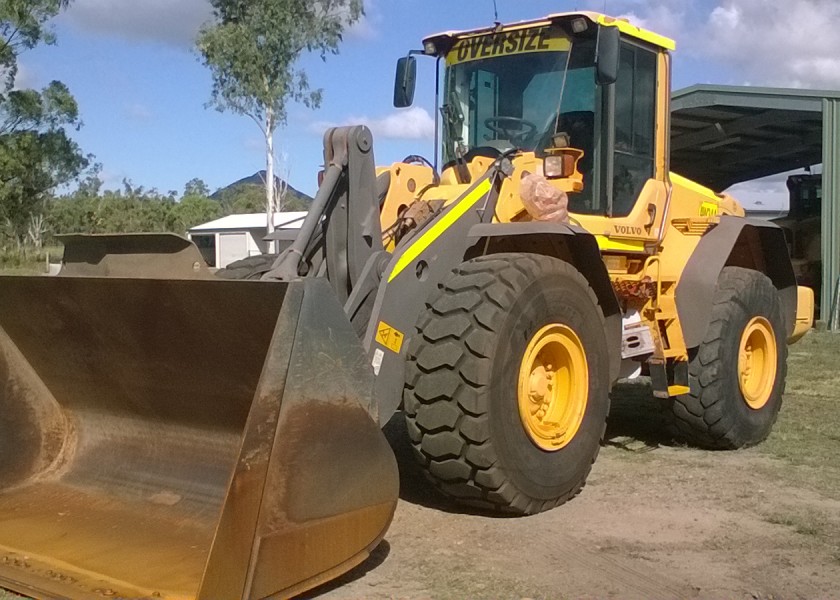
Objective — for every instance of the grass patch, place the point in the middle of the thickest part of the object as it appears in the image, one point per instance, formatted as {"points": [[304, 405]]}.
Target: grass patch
{"points": [[801, 524], [807, 433], [32, 262], [462, 578], [818, 528]]}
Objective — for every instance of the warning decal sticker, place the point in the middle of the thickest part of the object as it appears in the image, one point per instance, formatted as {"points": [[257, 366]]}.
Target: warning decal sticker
{"points": [[389, 337], [708, 209]]}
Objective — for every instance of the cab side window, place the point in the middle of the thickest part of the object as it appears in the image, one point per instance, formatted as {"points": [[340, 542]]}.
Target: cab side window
{"points": [[635, 126]]}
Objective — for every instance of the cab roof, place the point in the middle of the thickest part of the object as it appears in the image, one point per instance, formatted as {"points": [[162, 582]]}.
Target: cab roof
{"points": [[596, 18]]}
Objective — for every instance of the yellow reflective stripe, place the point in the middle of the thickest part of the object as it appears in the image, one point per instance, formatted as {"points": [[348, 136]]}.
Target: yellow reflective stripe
{"points": [[425, 240], [607, 243], [638, 32]]}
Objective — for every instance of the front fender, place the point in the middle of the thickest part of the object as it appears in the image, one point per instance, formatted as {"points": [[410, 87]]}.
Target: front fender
{"points": [[572, 244]]}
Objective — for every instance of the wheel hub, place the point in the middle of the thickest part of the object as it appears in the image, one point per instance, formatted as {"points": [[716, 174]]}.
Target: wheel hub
{"points": [[553, 387], [757, 358]]}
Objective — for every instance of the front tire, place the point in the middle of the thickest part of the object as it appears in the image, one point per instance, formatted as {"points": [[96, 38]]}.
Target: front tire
{"points": [[737, 375], [493, 421]]}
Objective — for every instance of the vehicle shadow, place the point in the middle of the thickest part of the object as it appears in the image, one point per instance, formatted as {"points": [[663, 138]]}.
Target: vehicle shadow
{"points": [[637, 423], [376, 558]]}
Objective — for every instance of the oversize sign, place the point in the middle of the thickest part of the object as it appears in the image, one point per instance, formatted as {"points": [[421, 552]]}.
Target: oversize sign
{"points": [[521, 41]]}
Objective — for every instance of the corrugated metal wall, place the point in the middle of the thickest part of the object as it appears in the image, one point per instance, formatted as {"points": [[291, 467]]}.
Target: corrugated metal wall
{"points": [[830, 208]]}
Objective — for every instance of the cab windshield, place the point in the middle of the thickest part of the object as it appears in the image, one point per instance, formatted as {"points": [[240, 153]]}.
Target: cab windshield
{"points": [[519, 99]]}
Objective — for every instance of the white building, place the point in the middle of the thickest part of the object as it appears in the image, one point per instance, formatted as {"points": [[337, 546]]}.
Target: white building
{"points": [[239, 236]]}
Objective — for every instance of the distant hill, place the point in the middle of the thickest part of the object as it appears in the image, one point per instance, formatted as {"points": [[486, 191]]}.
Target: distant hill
{"points": [[257, 180]]}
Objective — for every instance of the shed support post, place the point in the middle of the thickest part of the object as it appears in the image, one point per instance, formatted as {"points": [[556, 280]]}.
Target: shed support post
{"points": [[830, 209]]}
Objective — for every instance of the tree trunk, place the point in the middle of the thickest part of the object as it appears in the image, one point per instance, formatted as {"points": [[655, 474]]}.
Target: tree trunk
{"points": [[36, 230], [270, 203], [282, 185]]}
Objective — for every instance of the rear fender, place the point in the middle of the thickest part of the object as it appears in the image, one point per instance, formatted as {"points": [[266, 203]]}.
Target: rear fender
{"points": [[739, 242], [573, 245]]}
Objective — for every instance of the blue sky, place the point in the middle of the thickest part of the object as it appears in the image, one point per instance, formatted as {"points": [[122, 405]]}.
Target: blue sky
{"points": [[142, 90]]}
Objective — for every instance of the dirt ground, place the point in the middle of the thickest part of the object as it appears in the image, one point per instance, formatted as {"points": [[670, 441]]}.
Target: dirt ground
{"points": [[656, 520]]}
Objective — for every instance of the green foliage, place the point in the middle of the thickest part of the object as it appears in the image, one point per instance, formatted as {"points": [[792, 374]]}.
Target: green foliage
{"points": [[32, 164], [192, 211], [134, 208], [122, 211], [36, 152], [28, 261], [22, 27], [292, 203], [247, 199], [27, 110], [196, 187], [252, 49]]}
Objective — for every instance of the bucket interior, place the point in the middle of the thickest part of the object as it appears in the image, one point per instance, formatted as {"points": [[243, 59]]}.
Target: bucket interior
{"points": [[122, 408]]}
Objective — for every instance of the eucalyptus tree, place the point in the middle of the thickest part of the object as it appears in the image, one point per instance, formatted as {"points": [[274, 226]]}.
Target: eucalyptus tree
{"points": [[253, 49]]}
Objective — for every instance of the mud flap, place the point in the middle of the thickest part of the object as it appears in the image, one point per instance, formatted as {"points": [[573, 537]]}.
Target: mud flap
{"points": [[184, 439]]}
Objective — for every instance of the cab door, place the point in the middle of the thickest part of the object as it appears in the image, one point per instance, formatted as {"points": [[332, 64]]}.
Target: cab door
{"points": [[633, 183]]}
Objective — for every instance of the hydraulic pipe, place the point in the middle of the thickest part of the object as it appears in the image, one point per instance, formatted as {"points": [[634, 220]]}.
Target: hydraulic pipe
{"points": [[287, 265]]}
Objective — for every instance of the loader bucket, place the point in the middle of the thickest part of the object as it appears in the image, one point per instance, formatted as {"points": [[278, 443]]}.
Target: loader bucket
{"points": [[175, 438]]}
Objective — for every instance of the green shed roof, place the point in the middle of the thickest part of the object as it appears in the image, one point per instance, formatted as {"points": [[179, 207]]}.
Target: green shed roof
{"points": [[722, 135]]}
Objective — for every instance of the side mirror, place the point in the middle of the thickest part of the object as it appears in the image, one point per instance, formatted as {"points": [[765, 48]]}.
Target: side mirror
{"points": [[607, 55], [405, 81]]}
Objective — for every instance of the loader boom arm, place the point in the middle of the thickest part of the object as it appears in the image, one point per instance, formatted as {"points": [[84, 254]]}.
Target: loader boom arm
{"points": [[341, 233]]}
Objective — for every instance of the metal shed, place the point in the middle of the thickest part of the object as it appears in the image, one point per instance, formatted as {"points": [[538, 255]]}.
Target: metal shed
{"points": [[234, 237], [722, 135]]}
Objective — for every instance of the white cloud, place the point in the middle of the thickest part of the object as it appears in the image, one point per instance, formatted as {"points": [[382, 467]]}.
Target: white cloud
{"points": [[138, 112], [725, 17], [792, 43], [367, 27], [170, 22], [112, 180], [25, 78], [787, 44], [664, 19], [413, 123]]}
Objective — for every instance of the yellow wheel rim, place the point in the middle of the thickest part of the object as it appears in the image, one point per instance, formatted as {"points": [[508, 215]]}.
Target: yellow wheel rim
{"points": [[553, 387], [757, 357]]}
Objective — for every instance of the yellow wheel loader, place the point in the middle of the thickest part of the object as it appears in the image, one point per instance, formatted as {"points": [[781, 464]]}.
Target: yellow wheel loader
{"points": [[170, 432]]}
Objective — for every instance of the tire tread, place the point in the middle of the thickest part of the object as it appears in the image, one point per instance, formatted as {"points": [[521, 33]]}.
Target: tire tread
{"points": [[483, 290], [704, 417]]}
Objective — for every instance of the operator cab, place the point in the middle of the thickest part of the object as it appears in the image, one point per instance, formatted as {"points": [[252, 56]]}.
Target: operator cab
{"points": [[498, 98], [569, 84]]}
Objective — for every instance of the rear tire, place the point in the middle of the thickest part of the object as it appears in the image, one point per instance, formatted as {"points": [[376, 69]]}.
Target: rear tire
{"points": [[463, 397], [252, 267], [728, 406]]}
